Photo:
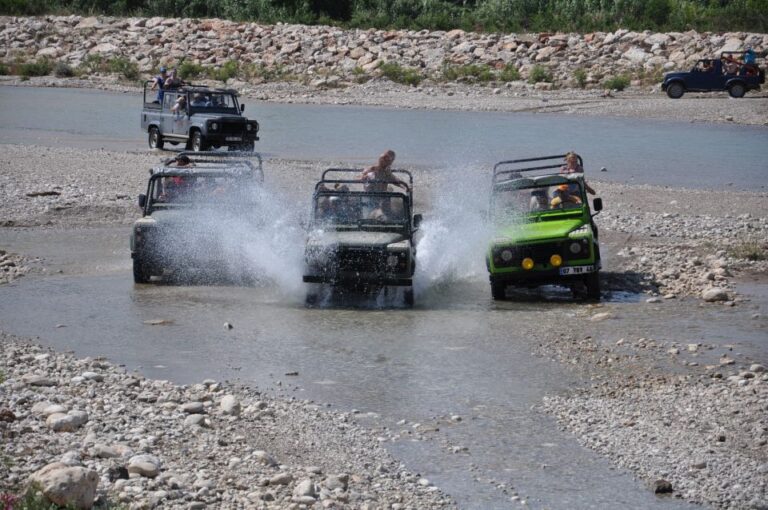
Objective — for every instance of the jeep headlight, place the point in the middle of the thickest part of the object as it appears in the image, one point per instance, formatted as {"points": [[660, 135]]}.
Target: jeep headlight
{"points": [[249, 127], [214, 126], [392, 260], [506, 255], [575, 247], [579, 232]]}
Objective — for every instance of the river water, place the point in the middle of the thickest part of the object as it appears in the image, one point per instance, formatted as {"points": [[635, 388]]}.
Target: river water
{"points": [[667, 153], [456, 353]]}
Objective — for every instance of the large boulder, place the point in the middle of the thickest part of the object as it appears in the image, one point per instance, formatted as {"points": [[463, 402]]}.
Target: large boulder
{"points": [[67, 486]]}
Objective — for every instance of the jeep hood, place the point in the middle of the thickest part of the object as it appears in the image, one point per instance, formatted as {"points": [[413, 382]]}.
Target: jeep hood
{"points": [[354, 239], [676, 74], [537, 231], [217, 218], [219, 116]]}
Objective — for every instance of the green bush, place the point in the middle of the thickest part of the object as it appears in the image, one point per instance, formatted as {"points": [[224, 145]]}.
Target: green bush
{"points": [[617, 82], [63, 70], [749, 251], [4, 70], [190, 70], [92, 64], [539, 73], [509, 73], [123, 66], [475, 72], [580, 75], [229, 70], [399, 74], [39, 68]]}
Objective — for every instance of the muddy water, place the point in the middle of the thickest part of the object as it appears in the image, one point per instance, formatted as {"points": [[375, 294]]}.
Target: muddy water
{"points": [[456, 353], [633, 150]]}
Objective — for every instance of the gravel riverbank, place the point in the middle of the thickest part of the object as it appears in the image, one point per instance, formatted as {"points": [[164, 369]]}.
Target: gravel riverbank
{"points": [[208, 445]]}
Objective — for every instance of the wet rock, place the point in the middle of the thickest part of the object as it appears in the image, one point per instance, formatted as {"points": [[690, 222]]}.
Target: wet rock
{"points": [[712, 295], [662, 487]]}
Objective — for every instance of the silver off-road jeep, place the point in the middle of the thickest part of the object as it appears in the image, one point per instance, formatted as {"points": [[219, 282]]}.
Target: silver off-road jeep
{"points": [[196, 219], [198, 118], [360, 238]]}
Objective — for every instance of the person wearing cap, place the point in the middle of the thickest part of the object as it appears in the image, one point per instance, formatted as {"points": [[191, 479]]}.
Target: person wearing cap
{"points": [[563, 196], [158, 82]]}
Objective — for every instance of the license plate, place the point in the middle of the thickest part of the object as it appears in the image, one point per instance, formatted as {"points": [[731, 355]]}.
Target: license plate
{"points": [[234, 138], [576, 270]]}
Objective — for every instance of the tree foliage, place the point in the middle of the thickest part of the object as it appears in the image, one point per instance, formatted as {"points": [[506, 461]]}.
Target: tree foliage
{"points": [[487, 15]]}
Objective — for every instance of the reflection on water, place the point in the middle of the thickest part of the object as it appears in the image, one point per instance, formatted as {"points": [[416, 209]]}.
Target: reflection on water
{"points": [[633, 150]]}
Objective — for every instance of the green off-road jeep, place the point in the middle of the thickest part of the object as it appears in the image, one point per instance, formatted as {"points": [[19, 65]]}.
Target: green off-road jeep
{"points": [[361, 234], [544, 233]]}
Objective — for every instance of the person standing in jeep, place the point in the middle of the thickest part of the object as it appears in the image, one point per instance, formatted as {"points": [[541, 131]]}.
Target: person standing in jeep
{"points": [[158, 82]]}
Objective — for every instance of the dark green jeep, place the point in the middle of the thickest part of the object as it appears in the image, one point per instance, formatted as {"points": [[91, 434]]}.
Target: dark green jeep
{"points": [[544, 233]]}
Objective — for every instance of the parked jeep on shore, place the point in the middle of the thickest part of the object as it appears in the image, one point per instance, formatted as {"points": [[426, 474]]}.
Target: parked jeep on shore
{"points": [[544, 232], [199, 118], [195, 218], [358, 238], [729, 72]]}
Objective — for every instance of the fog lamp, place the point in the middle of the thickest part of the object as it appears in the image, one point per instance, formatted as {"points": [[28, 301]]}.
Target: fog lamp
{"points": [[527, 263], [556, 260]]}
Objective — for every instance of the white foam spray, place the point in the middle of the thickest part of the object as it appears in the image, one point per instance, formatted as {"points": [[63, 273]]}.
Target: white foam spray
{"points": [[455, 232]]}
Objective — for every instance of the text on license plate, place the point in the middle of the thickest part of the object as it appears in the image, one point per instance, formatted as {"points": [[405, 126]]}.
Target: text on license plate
{"points": [[234, 138], [576, 270]]}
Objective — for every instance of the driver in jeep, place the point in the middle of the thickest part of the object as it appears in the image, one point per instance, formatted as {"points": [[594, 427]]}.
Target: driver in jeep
{"points": [[564, 197]]}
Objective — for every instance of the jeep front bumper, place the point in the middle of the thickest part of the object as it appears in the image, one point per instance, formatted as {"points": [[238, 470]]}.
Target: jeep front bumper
{"points": [[543, 276]]}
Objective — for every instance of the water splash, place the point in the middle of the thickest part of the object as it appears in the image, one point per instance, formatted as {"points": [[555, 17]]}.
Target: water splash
{"points": [[455, 232]]}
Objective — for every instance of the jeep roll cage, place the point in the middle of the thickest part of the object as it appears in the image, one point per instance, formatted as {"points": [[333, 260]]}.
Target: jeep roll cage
{"points": [[325, 180], [520, 167], [234, 162]]}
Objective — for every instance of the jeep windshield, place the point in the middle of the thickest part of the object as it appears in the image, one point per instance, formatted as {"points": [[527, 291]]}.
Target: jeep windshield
{"points": [[228, 191], [214, 102], [346, 210], [511, 203]]}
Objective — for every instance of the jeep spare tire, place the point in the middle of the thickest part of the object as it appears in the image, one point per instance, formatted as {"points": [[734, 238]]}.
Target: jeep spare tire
{"points": [[155, 139], [675, 90]]}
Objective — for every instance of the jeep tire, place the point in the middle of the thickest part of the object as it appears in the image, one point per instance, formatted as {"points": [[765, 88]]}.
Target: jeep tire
{"points": [[592, 283], [737, 90], [155, 138], [408, 296], [141, 273], [247, 146], [197, 144], [675, 90], [498, 291]]}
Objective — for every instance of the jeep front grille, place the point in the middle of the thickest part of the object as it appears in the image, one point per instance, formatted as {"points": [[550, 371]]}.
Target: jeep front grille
{"points": [[361, 260], [232, 127]]}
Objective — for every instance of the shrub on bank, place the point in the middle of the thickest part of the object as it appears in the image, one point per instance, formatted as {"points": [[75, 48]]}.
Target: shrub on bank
{"points": [[580, 76], [122, 66], [539, 73], [399, 74], [39, 68], [4, 70], [63, 70], [475, 72], [509, 73], [617, 82]]}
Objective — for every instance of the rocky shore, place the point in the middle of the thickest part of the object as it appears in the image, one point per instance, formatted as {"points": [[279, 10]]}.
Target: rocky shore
{"points": [[85, 430], [323, 51]]}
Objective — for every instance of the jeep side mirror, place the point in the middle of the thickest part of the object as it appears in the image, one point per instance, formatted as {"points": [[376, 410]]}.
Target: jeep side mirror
{"points": [[242, 107], [417, 218], [142, 200], [597, 204]]}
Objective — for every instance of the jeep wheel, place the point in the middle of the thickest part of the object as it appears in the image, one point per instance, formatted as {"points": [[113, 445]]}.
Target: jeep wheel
{"points": [[737, 90], [675, 90], [408, 296], [198, 144], [498, 291], [155, 140], [140, 271], [247, 147], [592, 282]]}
